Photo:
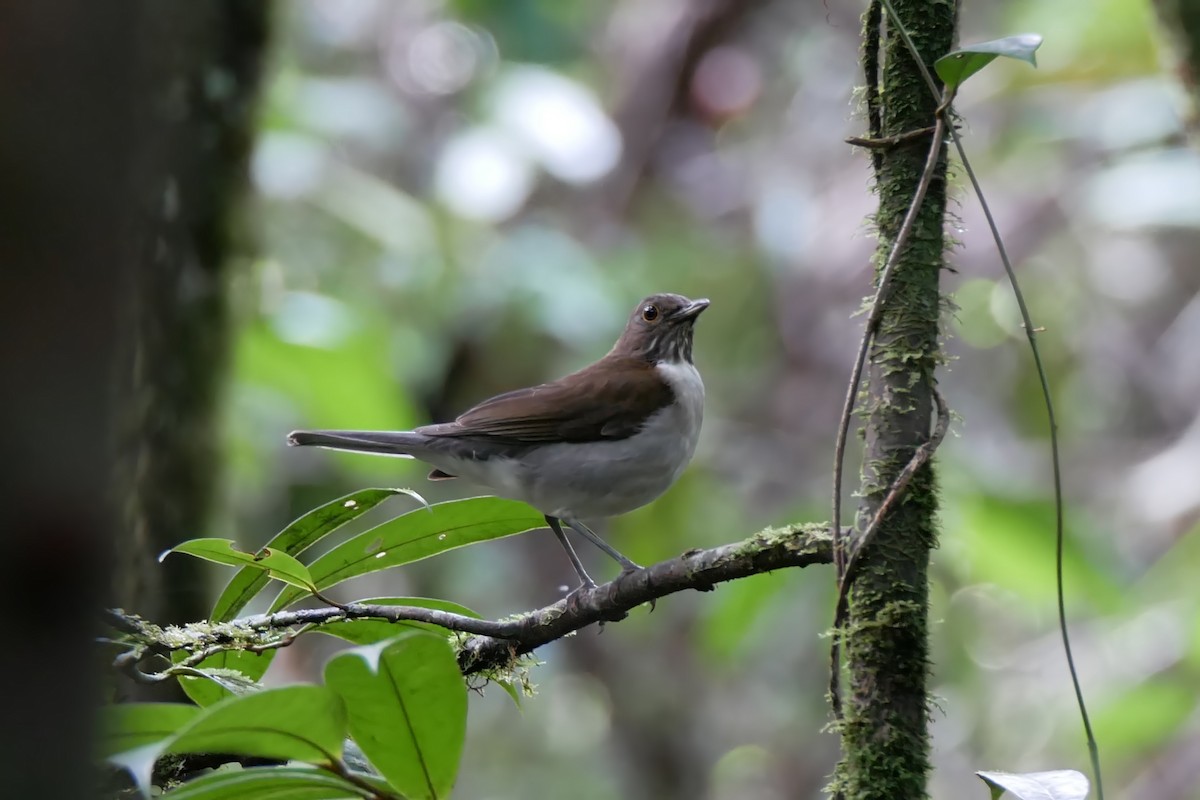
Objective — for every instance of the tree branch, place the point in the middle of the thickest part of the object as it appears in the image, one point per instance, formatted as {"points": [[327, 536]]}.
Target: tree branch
{"points": [[494, 643], [765, 551]]}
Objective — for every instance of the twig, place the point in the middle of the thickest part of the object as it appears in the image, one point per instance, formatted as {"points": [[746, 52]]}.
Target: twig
{"points": [[884, 142], [325, 599], [127, 664]]}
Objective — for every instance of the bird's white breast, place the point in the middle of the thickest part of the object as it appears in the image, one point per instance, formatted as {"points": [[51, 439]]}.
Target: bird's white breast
{"points": [[684, 380]]}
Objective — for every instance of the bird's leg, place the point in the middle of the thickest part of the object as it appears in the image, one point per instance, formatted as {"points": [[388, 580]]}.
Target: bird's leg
{"points": [[626, 564], [590, 535], [575, 562]]}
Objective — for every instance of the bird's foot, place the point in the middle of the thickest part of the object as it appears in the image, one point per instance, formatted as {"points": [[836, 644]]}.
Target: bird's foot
{"points": [[583, 586], [572, 597]]}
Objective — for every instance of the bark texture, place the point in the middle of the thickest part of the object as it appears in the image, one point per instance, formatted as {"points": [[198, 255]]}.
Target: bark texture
{"points": [[198, 72], [91, 94], [885, 734]]}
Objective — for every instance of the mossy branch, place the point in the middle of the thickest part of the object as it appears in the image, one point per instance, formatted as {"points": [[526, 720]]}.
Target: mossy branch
{"points": [[492, 643]]}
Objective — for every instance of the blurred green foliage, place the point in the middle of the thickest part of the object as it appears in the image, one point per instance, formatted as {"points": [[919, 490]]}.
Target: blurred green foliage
{"points": [[391, 290]]}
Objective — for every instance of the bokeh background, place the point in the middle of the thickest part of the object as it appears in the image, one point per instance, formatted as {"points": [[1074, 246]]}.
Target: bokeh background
{"points": [[454, 198]]}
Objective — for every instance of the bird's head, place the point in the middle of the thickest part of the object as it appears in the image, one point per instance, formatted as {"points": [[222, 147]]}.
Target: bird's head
{"points": [[660, 329]]}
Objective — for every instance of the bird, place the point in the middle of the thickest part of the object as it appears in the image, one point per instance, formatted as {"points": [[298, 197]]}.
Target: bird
{"points": [[597, 443]]}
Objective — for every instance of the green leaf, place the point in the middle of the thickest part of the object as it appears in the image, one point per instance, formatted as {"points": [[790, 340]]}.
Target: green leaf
{"points": [[417, 535], [137, 734], [301, 723], [267, 783], [276, 563], [295, 539], [233, 672], [369, 631], [511, 689], [954, 68], [1059, 784], [407, 707], [129, 726]]}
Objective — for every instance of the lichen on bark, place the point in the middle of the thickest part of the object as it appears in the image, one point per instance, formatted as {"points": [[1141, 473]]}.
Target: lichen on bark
{"points": [[884, 732]]}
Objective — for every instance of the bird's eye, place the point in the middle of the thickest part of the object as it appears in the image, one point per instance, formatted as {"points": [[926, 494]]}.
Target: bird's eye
{"points": [[649, 312]]}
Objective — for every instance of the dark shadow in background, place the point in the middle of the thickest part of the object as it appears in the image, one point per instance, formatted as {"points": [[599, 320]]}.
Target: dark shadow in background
{"points": [[100, 103]]}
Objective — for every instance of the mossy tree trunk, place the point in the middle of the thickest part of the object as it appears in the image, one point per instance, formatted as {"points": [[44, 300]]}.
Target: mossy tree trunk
{"points": [[885, 734]]}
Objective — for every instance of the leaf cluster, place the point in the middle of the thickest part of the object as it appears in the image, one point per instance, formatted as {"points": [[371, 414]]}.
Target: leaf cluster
{"points": [[398, 698]]}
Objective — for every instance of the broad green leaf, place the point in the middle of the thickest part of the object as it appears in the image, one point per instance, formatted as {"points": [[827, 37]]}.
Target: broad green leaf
{"points": [[417, 535], [1059, 784], [369, 631], [128, 726], [407, 708], [954, 68], [301, 723], [267, 783], [295, 539], [276, 563], [234, 672]]}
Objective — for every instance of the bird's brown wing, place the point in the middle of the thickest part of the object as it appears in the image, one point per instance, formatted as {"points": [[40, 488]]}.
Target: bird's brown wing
{"points": [[611, 399]]}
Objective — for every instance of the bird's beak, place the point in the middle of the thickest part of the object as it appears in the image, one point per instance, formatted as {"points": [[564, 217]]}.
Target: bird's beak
{"points": [[692, 309]]}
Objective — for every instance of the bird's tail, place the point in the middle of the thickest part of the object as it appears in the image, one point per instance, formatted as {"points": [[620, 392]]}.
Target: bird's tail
{"points": [[384, 443]]}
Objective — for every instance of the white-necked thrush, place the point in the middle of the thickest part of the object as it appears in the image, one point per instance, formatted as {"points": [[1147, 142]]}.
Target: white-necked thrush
{"points": [[600, 442]]}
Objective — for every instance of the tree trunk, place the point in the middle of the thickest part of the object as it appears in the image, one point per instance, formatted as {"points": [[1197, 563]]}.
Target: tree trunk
{"points": [[884, 734], [83, 140], [198, 76]]}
